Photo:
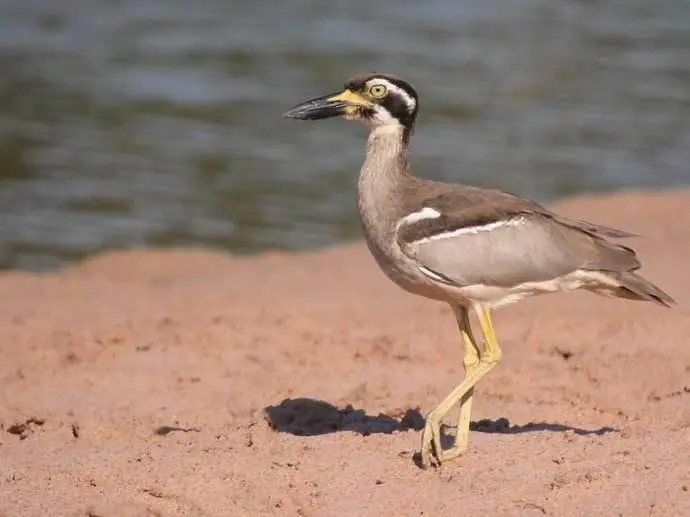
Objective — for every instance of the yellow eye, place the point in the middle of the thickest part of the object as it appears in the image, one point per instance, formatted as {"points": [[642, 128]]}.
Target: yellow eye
{"points": [[377, 91]]}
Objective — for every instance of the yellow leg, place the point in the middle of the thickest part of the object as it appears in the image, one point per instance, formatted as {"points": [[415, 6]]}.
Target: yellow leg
{"points": [[470, 361], [492, 350], [432, 450]]}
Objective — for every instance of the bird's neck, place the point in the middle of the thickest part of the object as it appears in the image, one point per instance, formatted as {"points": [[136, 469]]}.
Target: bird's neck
{"points": [[382, 176], [386, 160]]}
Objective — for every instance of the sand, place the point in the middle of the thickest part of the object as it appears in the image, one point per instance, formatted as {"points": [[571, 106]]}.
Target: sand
{"points": [[190, 382]]}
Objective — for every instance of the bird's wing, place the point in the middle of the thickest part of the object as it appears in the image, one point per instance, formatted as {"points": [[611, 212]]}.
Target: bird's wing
{"points": [[596, 230], [492, 238]]}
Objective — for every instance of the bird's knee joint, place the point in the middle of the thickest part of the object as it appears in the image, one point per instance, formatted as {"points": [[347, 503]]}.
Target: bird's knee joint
{"points": [[471, 363], [492, 358]]}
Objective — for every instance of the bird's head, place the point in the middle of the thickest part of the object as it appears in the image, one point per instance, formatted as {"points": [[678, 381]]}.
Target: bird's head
{"points": [[376, 99]]}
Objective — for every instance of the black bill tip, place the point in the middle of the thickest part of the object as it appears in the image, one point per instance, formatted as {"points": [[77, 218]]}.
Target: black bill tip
{"points": [[316, 109]]}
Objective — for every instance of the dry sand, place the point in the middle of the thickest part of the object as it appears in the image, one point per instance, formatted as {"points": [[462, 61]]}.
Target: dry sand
{"points": [[143, 383]]}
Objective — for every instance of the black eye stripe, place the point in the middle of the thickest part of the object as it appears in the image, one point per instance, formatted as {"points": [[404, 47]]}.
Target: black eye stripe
{"points": [[397, 106], [404, 86], [401, 99], [400, 102], [404, 110]]}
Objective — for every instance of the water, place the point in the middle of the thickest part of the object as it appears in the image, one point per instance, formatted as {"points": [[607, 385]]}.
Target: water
{"points": [[133, 123]]}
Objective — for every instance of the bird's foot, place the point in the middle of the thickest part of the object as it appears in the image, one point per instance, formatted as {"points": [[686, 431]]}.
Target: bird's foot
{"points": [[432, 453], [431, 450]]}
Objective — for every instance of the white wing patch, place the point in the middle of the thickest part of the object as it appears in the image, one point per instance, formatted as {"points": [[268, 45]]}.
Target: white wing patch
{"points": [[424, 213]]}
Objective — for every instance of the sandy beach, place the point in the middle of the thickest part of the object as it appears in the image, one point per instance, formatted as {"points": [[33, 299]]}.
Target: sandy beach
{"points": [[195, 383]]}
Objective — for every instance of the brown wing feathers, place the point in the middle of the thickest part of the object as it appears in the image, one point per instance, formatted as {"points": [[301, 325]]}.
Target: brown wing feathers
{"points": [[481, 207]]}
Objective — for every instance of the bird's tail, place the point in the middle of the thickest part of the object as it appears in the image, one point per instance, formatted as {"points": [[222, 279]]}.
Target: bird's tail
{"points": [[636, 287]]}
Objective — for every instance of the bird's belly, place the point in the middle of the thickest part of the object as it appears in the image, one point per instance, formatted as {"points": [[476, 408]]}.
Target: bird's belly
{"points": [[497, 296], [406, 274]]}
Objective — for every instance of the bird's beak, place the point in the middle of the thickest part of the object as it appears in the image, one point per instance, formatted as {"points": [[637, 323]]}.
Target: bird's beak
{"points": [[334, 105]]}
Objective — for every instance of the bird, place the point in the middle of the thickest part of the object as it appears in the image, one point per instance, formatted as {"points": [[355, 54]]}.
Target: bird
{"points": [[474, 249]]}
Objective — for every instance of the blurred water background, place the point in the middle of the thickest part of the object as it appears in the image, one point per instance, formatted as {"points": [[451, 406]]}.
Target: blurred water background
{"points": [[133, 123]]}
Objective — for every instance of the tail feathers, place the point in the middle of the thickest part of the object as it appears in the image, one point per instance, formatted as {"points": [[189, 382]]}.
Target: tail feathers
{"points": [[595, 230], [606, 231], [634, 286]]}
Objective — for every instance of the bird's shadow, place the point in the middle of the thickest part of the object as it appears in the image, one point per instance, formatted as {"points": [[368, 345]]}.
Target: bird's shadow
{"points": [[311, 417]]}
